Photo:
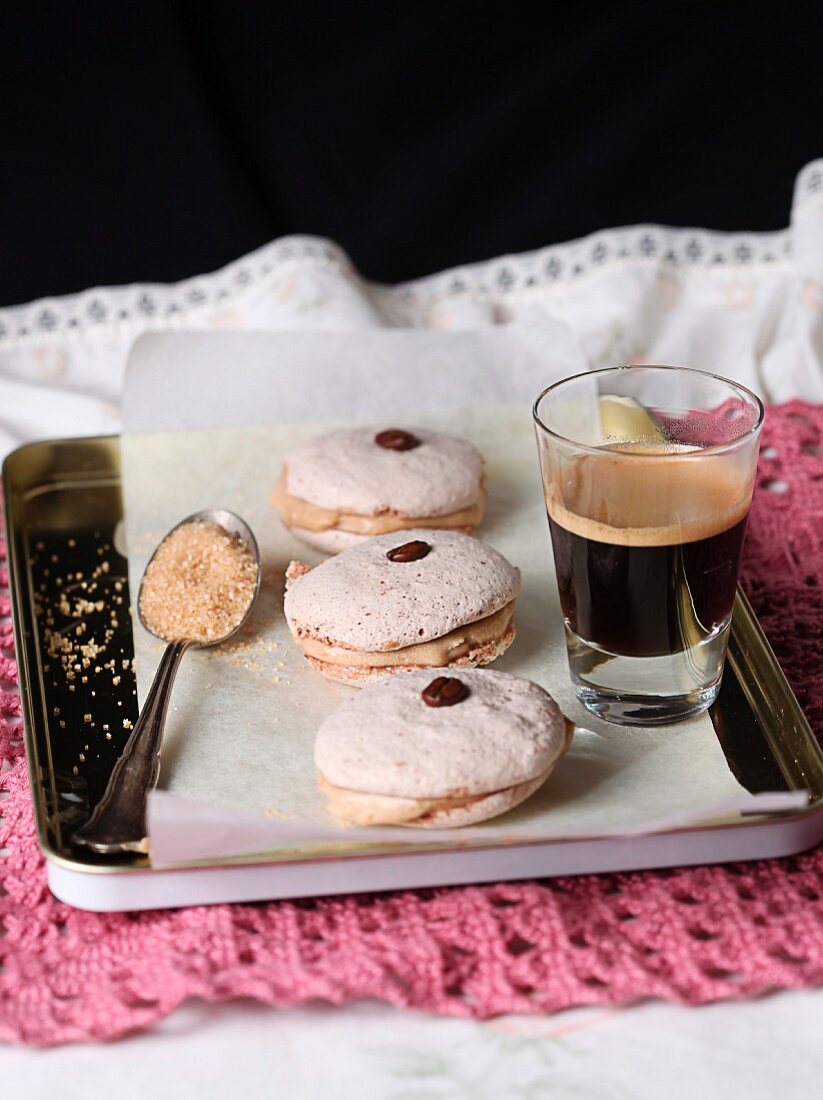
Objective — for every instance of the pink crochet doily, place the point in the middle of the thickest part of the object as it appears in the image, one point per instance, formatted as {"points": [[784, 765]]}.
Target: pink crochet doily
{"points": [[691, 935]]}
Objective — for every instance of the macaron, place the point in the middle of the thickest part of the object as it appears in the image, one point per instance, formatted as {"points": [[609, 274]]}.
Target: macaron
{"points": [[342, 487], [438, 751], [416, 599]]}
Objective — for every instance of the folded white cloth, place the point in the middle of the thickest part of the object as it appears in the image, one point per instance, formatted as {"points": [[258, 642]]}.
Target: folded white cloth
{"points": [[748, 306]]}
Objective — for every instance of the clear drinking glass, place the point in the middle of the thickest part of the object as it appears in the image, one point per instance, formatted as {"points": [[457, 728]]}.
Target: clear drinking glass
{"points": [[648, 475]]}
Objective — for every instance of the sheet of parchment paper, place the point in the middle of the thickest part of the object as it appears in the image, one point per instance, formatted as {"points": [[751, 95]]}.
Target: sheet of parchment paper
{"points": [[243, 717]]}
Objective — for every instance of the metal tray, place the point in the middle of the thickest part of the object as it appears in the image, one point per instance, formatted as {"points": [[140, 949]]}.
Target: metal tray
{"points": [[64, 512]]}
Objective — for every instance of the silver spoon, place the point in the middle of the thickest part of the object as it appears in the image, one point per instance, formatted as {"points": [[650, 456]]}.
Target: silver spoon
{"points": [[118, 823]]}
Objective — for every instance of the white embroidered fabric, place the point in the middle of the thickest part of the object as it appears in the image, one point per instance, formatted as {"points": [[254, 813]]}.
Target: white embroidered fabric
{"points": [[749, 306]]}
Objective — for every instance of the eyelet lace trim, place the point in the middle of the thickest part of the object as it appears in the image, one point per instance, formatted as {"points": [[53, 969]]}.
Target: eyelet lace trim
{"points": [[148, 306]]}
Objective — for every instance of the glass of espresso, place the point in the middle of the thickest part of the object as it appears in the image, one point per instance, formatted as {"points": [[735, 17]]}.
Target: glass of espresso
{"points": [[648, 475]]}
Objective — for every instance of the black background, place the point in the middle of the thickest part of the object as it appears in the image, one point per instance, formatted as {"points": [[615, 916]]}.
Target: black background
{"points": [[159, 139]]}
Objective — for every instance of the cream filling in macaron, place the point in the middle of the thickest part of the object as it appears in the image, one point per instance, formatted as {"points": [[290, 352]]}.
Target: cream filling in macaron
{"points": [[363, 808], [299, 513], [436, 653]]}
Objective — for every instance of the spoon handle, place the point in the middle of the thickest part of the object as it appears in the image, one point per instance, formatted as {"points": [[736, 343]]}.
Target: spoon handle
{"points": [[118, 823]]}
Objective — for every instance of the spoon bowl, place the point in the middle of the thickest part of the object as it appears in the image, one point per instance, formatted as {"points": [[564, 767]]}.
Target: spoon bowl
{"points": [[232, 524]]}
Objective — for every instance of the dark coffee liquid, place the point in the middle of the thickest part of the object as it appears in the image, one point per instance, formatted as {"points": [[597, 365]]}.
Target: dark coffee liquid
{"points": [[648, 600]]}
